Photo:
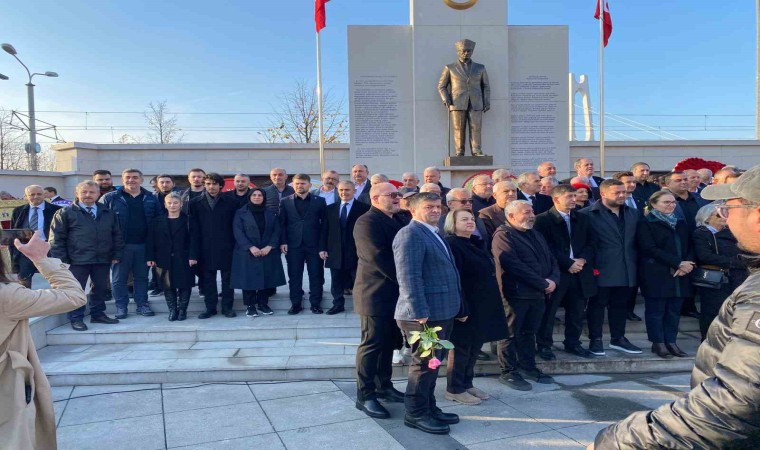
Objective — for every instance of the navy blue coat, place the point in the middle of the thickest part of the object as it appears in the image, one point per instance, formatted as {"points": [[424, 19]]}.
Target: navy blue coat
{"points": [[523, 263], [114, 200], [250, 272], [661, 250], [308, 231]]}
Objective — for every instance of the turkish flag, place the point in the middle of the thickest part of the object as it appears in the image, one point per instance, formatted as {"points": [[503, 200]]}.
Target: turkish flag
{"points": [[319, 13], [607, 20]]}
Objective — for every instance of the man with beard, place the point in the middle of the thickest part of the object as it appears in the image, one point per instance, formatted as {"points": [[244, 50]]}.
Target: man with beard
{"points": [[195, 178], [278, 190], [242, 189], [105, 181], [329, 188], [527, 273], [644, 188]]}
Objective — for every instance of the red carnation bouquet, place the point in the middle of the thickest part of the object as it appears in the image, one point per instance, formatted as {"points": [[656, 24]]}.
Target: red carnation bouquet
{"points": [[698, 163]]}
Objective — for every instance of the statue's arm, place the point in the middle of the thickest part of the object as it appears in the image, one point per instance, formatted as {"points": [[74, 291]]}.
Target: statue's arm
{"points": [[443, 86], [485, 85]]}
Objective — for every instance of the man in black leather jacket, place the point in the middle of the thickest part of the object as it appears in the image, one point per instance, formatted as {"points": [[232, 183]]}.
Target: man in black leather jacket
{"points": [[722, 411]]}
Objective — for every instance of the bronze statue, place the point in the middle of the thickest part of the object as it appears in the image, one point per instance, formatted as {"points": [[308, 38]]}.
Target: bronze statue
{"points": [[468, 99]]}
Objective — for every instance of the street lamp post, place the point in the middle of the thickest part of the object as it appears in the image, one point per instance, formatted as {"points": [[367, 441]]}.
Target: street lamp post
{"points": [[3, 77], [30, 97]]}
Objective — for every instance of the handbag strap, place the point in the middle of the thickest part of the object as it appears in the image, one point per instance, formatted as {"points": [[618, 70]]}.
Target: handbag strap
{"points": [[716, 243]]}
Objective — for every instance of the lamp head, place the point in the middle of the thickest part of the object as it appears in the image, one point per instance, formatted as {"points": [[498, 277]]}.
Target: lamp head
{"points": [[9, 49], [3, 77], [51, 74]]}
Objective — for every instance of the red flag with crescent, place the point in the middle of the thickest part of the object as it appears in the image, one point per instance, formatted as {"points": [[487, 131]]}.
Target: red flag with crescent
{"points": [[607, 19], [319, 14]]}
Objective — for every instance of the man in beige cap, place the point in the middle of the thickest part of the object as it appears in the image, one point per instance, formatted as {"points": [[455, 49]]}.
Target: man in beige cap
{"points": [[721, 410]]}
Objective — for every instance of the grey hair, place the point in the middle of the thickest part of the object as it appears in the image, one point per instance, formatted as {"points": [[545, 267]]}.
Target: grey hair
{"points": [[89, 183], [554, 181], [497, 187], [378, 178], [704, 214], [432, 168], [30, 187], [449, 224], [426, 186], [452, 191], [523, 178], [501, 174], [174, 195], [512, 206]]}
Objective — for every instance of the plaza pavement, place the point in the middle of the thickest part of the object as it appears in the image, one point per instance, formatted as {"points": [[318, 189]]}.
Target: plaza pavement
{"points": [[321, 415]]}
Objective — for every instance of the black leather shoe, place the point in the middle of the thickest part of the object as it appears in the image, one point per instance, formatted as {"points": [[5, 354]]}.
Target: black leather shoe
{"points": [[483, 356], [295, 310], [229, 313], [546, 354], [675, 350], [578, 350], [661, 351], [103, 319], [427, 424], [633, 317], [335, 310], [459, 154], [316, 310], [373, 408], [182, 315], [448, 418], [206, 315], [78, 325], [694, 314], [173, 314], [391, 395]]}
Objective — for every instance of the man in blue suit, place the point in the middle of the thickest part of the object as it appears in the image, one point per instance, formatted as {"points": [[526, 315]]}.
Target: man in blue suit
{"points": [[429, 294]]}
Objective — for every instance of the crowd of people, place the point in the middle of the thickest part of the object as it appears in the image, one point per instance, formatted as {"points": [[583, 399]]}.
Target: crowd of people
{"points": [[492, 262]]}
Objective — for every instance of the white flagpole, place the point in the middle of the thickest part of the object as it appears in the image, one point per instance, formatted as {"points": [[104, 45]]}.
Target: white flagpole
{"points": [[601, 86], [319, 100]]}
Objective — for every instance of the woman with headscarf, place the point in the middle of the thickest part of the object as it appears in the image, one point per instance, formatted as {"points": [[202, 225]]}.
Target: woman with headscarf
{"points": [[665, 258], [256, 263]]}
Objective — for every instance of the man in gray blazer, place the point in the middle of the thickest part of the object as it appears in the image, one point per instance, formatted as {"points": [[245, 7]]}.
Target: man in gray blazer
{"points": [[429, 295], [468, 98]]}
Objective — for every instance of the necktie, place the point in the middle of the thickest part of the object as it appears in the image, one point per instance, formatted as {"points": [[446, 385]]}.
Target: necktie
{"points": [[344, 215], [569, 232], [92, 214], [532, 199], [35, 218]]}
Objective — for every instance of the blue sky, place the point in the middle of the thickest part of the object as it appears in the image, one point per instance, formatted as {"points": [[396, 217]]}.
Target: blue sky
{"points": [[682, 59]]}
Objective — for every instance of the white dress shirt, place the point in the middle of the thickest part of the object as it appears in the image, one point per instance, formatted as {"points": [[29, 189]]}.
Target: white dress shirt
{"points": [[435, 233]]}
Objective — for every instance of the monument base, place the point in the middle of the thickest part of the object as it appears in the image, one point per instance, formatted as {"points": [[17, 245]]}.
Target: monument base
{"points": [[485, 160]]}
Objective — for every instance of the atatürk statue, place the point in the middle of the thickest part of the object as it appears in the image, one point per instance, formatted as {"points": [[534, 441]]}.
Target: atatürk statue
{"points": [[468, 98]]}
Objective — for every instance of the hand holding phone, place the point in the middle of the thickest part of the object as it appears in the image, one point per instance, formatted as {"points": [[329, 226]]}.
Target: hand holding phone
{"points": [[36, 249], [7, 237]]}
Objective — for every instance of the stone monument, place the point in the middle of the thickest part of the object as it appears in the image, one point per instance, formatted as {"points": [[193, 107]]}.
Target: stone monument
{"points": [[397, 121]]}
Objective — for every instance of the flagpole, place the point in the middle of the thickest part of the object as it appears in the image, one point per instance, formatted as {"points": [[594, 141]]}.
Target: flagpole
{"points": [[601, 86], [319, 100]]}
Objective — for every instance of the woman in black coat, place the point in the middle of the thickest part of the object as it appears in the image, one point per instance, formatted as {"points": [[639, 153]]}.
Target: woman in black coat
{"points": [[486, 321], [716, 248], [172, 248], [256, 263], [665, 260]]}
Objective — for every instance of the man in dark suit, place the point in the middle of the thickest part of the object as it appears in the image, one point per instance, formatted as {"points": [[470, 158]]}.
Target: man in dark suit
{"points": [[242, 190], [278, 190], [341, 247], [644, 189], [429, 296], [584, 168], [360, 175], [570, 239], [304, 240], [493, 217], [614, 226], [482, 193], [211, 216], [527, 273], [35, 215], [637, 204], [375, 296], [529, 185]]}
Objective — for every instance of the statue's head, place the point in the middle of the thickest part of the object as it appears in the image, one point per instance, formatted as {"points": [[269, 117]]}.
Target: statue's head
{"points": [[465, 47]]}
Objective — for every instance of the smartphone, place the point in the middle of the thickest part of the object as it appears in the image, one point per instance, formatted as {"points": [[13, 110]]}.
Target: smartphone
{"points": [[22, 234]]}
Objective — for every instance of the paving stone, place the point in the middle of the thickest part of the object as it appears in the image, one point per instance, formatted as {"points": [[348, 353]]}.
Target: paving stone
{"points": [[58, 408], [269, 441], [210, 425], [206, 396], [363, 433], [491, 420], [270, 391], [679, 382], [585, 434], [61, 392], [291, 351], [310, 410], [144, 433], [647, 397], [310, 361], [114, 406], [546, 440], [84, 391]]}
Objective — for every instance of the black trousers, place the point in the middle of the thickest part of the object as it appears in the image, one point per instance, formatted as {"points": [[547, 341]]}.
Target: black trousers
{"points": [[518, 350], [341, 279], [374, 356], [615, 299], [710, 301], [689, 305], [419, 398], [211, 293], [460, 368], [632, 299], [256, 298], [99, 274], [570, 294], [296, 257]]}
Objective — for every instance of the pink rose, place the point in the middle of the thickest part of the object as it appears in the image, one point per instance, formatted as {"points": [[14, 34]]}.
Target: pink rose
{"points": [[434, 363]]}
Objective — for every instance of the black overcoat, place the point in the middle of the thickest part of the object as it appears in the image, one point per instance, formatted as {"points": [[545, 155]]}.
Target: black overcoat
{"points": [[250, 272], [660, 250], [486, 321], [213, 229], [341, 247], [172, 251]]}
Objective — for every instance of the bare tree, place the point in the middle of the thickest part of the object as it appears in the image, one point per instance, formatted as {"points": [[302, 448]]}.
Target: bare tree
{"points": [[13, 156], [162, 126], [297, 118]]}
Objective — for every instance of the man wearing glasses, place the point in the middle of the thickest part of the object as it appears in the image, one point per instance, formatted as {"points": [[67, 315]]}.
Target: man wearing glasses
{"points": [[482, 193], [720, 411]]}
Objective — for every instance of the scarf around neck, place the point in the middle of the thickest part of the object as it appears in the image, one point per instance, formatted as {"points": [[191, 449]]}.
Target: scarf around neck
{"points": [[669, 219]]}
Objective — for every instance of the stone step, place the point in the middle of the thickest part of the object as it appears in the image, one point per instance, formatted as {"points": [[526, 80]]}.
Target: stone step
{"points": [[279, 302]]}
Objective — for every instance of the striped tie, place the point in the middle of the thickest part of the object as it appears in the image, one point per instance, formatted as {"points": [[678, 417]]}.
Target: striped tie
{"points": [[33, 222], [92, 214]]}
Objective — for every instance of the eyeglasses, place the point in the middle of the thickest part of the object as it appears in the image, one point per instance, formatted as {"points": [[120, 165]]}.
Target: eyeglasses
{"points": [[391, 195], [464, 202], [722, 209]]}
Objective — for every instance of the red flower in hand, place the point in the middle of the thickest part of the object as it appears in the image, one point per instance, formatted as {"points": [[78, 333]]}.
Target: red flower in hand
{"points": [[596, 272]]}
